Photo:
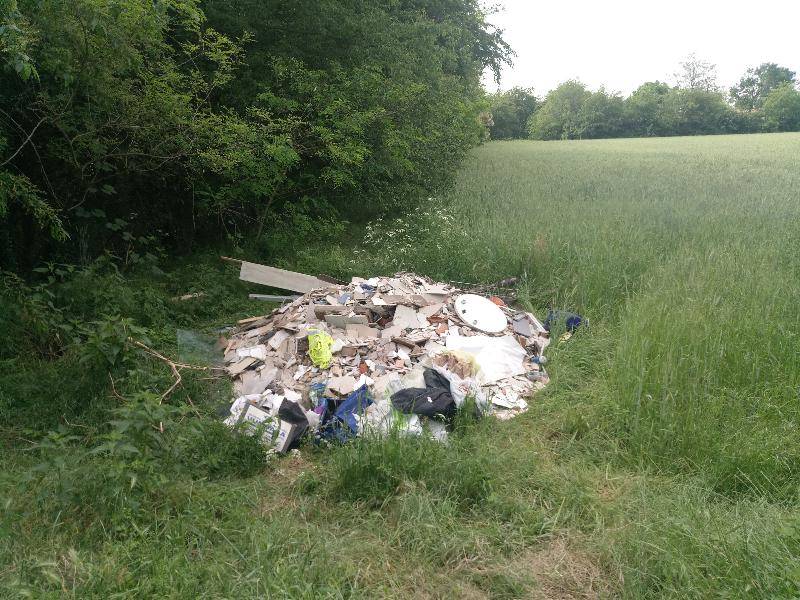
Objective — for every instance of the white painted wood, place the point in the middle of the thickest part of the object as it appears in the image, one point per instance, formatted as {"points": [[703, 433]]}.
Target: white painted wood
{"points": [[279, 278]]}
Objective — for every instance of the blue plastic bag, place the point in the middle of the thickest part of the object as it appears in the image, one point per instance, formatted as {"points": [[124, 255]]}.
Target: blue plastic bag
{"points": [[341, 426], [570, 320]]}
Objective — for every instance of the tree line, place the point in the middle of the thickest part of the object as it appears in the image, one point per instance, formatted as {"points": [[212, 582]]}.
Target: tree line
{"points": [[184, 121], [765, 99]]}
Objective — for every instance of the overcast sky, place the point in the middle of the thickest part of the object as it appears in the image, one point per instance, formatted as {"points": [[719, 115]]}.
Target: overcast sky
{"points": [[623, 43]]}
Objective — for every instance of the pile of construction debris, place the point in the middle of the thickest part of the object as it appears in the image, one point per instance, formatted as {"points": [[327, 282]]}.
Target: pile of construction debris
{"points": [[396, 353]]}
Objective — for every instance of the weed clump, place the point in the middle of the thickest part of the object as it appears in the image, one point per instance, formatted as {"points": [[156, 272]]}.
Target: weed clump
{"points": [[374, 470]]}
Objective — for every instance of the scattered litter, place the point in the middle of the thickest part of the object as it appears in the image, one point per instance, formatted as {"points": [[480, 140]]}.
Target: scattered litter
{"points": [[481, 313], [189, 296], [569, 321], [319, 349], [383, 354], [199, 348], [434, 400]]}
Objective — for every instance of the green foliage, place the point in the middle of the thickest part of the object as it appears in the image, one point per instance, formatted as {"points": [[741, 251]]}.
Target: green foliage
{"points": [[371, 114], [689, 111], [116, 111], [643, 110], [15, 40], [129, 108], [782, 108], [559, 118], [211, 449], [107, 344], [660, 461], [373, 471], [686, 543], [654, 109], [757, 83], [18, 190], [601, 116], [510, 113], [65, 310], [664, 450], [68, 338], [571, 111], [127, 470], [125, 466], [694, 107]]}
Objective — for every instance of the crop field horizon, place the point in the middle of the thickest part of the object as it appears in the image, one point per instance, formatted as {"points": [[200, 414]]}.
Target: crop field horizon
{"points": [[662, 461]]}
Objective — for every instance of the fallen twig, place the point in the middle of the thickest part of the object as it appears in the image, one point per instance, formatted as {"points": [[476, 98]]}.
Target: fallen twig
{"points": [[114, 389], [175, 367]]}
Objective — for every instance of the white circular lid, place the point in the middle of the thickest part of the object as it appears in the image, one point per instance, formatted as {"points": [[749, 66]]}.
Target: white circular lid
{"points": [[480, 313]]}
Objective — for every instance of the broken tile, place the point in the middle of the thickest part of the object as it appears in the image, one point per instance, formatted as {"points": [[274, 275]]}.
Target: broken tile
{"points": [[386, 326], [430, 310], [342, 321], [342, 386], [407, 318], [276, 340], [240, 366], [361, 332]]}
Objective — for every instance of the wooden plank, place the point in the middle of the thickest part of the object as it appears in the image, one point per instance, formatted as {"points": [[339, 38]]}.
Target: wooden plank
{"points": [[271, 298], [249, 320], [279, 278], [329, 279], [324, 309]]}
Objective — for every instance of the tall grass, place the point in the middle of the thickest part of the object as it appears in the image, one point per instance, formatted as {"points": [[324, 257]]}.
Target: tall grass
{"points": [[685, 255], [685, 251], [663, 461]]}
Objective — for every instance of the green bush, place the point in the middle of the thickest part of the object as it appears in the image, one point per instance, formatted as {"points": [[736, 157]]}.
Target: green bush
{"points": [[135, 465], [179, 122]]}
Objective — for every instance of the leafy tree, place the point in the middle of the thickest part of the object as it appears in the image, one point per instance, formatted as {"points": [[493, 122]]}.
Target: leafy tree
{"points": [[697, 74], [190, 120], [643, 110], [510, 113], [560, 115], [115, 109], [393, 86], [756, 84], [687, 111], [782, 108], [602, 116]]}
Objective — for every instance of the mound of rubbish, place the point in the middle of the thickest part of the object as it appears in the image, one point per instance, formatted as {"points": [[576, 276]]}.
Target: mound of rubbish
{"points": [[399, 353]]}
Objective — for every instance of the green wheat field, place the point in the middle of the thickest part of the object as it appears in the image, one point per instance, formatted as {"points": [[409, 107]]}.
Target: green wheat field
{"points": [[663, 461]]}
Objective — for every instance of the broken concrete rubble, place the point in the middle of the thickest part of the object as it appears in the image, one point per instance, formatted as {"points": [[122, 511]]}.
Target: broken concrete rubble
{"points": [[386, 332]]}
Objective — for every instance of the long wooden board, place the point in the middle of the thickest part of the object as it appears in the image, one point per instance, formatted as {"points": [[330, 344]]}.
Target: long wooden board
{"points": [[271, 298], [279, 278]]}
